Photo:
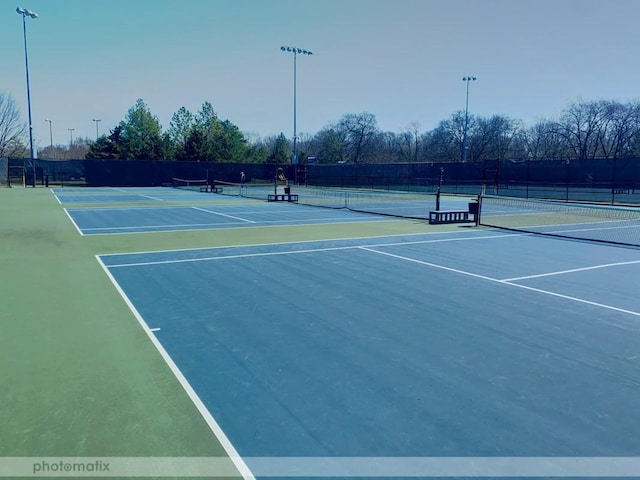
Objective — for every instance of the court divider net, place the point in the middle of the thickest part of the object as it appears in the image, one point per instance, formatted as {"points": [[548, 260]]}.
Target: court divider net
{"points": [[607, 224], [188, 184]]}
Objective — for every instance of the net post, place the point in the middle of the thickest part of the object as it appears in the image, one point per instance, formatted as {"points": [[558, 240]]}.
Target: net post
{"points": [[479, 210], [439, 187]]}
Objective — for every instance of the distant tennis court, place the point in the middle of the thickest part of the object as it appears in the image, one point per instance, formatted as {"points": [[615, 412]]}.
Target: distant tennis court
{"points": [[95, 221], [475, 343], [102, 195]]}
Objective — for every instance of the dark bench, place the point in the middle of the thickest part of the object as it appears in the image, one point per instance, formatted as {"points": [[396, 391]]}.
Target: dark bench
{"points": [[282, 197], [449, 216]]}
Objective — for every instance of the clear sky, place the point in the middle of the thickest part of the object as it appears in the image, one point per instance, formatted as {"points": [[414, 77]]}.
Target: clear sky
{"points": [[401, 60]]}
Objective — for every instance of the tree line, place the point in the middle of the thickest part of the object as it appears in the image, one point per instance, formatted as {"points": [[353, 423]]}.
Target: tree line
{"points": [[584, 130]]}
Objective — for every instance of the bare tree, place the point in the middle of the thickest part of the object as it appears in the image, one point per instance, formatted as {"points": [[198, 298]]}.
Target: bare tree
{"points": [[543, 142], [621, 122], [12, 129], [492, 138], [444, 143], [582, 125], [359, 130]]}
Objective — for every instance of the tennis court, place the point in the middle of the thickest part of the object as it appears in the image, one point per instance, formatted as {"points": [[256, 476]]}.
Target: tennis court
{"points": [[103, 195], [337, 335], [96, 221], [479, 343]]}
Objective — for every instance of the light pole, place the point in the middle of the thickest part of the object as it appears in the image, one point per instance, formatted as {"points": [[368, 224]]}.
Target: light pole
{"points": [[295, 51], [466, 118], [70, 139], [50, 137], [97, 120], [26, 13]]}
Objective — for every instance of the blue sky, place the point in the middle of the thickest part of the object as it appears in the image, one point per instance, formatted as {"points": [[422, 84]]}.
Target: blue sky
{"points": [[402, 60]]}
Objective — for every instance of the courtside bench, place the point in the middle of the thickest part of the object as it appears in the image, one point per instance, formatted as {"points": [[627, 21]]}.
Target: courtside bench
{"points": [[454, 216], [209, 188], [282, 197], [449, 216]]}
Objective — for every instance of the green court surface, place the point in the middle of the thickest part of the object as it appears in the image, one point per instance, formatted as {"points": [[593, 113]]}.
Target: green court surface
{"points": [[79, 376]]}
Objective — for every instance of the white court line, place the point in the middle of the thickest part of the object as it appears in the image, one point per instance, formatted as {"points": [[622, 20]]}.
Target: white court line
{"points": [[197, 401], [152, 198], [231, 257], [293, 242], [504, 282], [223, 214], [56, 196], [292, 252], [96, 229], [73, 222], [269, 224], [562, 272], [154, 329]]}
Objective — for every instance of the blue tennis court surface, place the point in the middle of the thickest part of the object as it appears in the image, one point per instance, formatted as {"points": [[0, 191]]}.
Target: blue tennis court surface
{"points": [[93, 221], [127, 195], [474, 343]]}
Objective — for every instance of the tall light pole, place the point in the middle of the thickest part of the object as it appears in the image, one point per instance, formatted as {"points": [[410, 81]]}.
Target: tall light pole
{"points": [[295, 51], [70, 138], [466, 118], [50, 137], [26, 13], [97, 120]]}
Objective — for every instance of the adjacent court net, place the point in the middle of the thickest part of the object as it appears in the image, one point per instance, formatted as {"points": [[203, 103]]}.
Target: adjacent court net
{"points": [[254, 189], [382, 202], [615, 225], [188, 184]]}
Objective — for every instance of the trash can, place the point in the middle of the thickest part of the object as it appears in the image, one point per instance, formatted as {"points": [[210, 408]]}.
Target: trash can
{"points": [[287, 190], [473, 208]]}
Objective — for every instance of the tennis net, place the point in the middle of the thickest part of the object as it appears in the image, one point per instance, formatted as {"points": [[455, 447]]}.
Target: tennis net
{"points": [[597, 223], [188, 184], [381, 202], [415, 205], [254, 189]]}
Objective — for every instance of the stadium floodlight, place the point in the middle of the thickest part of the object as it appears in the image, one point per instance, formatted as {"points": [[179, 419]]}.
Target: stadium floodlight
{"points": [[295, 51], [467, 79], [97, 120], [26, 13], [50, 136]]}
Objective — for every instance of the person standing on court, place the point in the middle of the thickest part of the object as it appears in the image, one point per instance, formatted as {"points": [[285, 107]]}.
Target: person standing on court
{"points": [[242, 179]]}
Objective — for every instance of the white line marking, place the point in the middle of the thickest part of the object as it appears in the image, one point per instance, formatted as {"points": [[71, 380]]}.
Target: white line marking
{"points": [[538, 290], [429, 264], [562, 272], [575, 299], [295, 242], [228, 257], [73, 222], [290, 252], [208, 417], [152, 198], [157, 329], [56, 196], [223, 214], [283, 224], [157, 228]]}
